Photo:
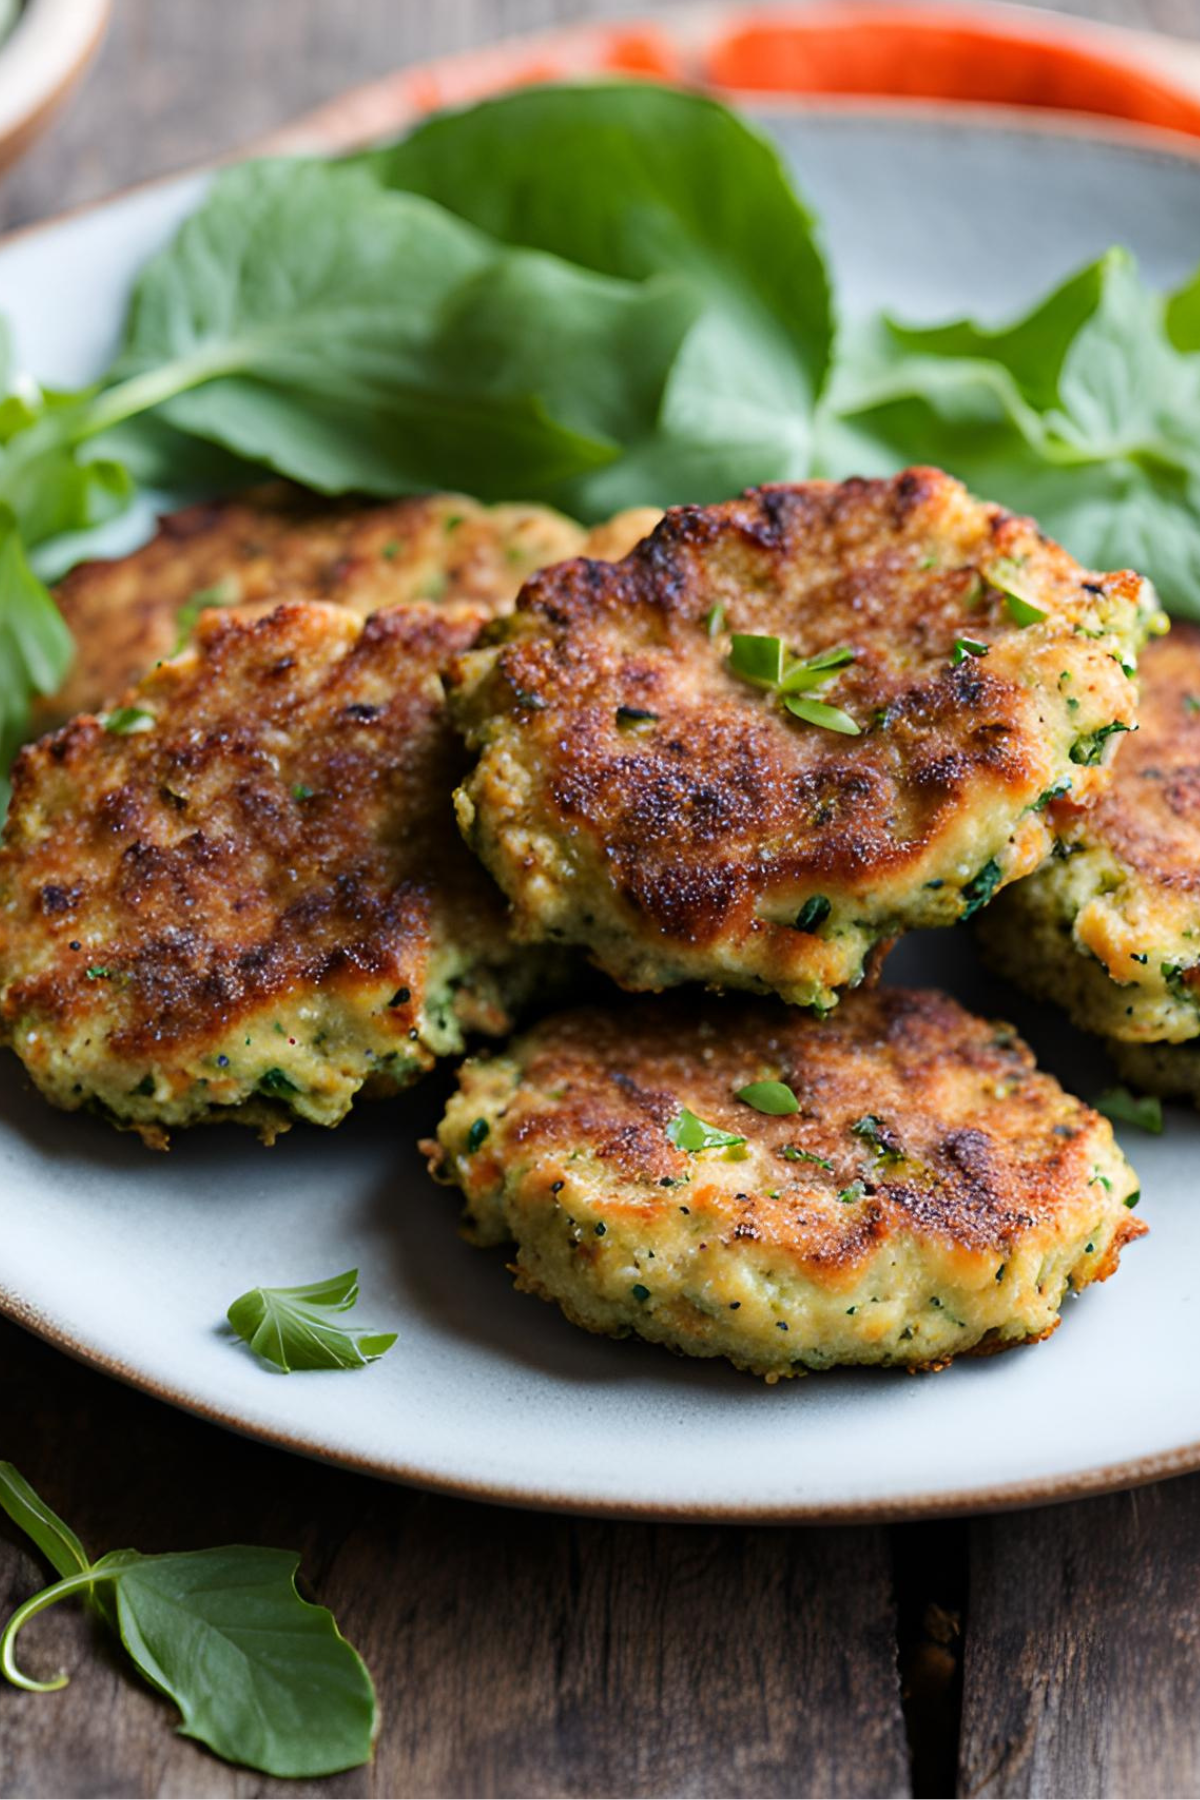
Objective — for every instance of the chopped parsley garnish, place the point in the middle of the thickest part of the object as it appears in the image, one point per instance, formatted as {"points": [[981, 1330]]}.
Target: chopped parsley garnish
{"points": [[1173, 974], [1143, 1110], [793, 1153], [477, 1135], [854, 1192], [813, 913], [687, 1132], [98, 973], [964, 647], [127, 721], [816, 712], [1132, 1199], [775, 1098], [757, 659], [1088, 750], [981, 887], [872, 1130], [764, 662]]}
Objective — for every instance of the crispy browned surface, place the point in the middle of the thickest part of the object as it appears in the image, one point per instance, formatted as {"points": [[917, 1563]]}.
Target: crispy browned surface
{"points": [[987, 1149], [281, 542], [281, 839], [702, 827], [1150, 816]]}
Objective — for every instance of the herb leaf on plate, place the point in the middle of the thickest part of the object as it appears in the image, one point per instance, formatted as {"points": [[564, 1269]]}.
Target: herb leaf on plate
{"points": [[1081, 413], [300, 1328], [258, 1674]]}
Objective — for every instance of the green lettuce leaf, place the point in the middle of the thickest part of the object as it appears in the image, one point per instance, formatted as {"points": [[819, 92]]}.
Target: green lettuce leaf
{"points": [[1082, 413]]}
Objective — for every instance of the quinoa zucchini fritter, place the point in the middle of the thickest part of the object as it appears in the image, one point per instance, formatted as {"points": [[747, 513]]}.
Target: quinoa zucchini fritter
{"points": [[637, 794], [1110, 928], [930, 1193], [281, 542], [244, 897]]}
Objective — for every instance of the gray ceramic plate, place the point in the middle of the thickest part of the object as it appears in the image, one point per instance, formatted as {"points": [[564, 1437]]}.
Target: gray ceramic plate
{"points": [[129, 1259]]}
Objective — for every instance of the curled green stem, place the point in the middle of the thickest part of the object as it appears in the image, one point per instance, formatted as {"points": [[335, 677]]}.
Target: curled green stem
{"points": [[71, 1584]]}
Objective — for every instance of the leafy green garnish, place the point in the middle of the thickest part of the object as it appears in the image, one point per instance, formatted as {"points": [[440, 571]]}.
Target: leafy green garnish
{"points": [[221, 593], [872, 1130], [128, 721], [687, 1132], [757, 659], [259, 1675], [772, 1097], [1143, 1110], [979, 890], [965, 647], [815, 712], [298, 1328], [1081, 412], [35, 645], [765, 662], [477, 1135], [854, 1192]]}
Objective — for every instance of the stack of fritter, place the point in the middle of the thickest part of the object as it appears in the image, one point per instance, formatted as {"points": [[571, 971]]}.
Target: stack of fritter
{"points": [[750, 753]]}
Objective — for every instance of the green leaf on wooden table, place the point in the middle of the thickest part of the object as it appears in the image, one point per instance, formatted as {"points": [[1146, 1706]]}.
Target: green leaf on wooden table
{"points": [[298, 1327], [259, 1675], [29, 1512], [1082, 413]]}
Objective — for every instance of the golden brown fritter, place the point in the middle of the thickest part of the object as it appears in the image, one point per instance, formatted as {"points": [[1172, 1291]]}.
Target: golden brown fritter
{"points": [[635, 794], [930, 1193], [281, 542], [243, 895], [1110, 928]]}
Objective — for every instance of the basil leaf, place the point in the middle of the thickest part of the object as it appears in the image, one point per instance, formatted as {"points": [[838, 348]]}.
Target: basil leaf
{"points": [[687, 1132], [296, 1327], [258, 1674], [1143, 1110], [815, 670], [775, 1098], [635, 181], [29, 1512], [1082, 414], [309, 320]]}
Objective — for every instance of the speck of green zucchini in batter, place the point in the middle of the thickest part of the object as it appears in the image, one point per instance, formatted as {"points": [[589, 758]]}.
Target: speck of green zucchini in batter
{"points": [[981, 887], [126, 721], [477, 1135], [965, 647], [1088, 750], [813, 913]]}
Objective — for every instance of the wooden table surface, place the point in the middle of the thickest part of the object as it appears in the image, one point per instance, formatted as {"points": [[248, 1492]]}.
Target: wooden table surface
{"points": [[1054, 1652]]}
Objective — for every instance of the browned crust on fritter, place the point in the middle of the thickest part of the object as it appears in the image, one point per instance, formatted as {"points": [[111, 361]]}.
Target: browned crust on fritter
{"points": [[1150, 815], [184, 865], [988, 1150], [282, 542], [708, 820]]}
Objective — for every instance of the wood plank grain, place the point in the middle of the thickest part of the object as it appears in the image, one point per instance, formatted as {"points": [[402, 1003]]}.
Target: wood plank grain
{"points": [[1082, 1661], [514, 1653]]}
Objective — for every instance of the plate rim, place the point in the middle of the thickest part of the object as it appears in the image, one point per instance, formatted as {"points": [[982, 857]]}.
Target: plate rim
{"points": [[1155, 146]]}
